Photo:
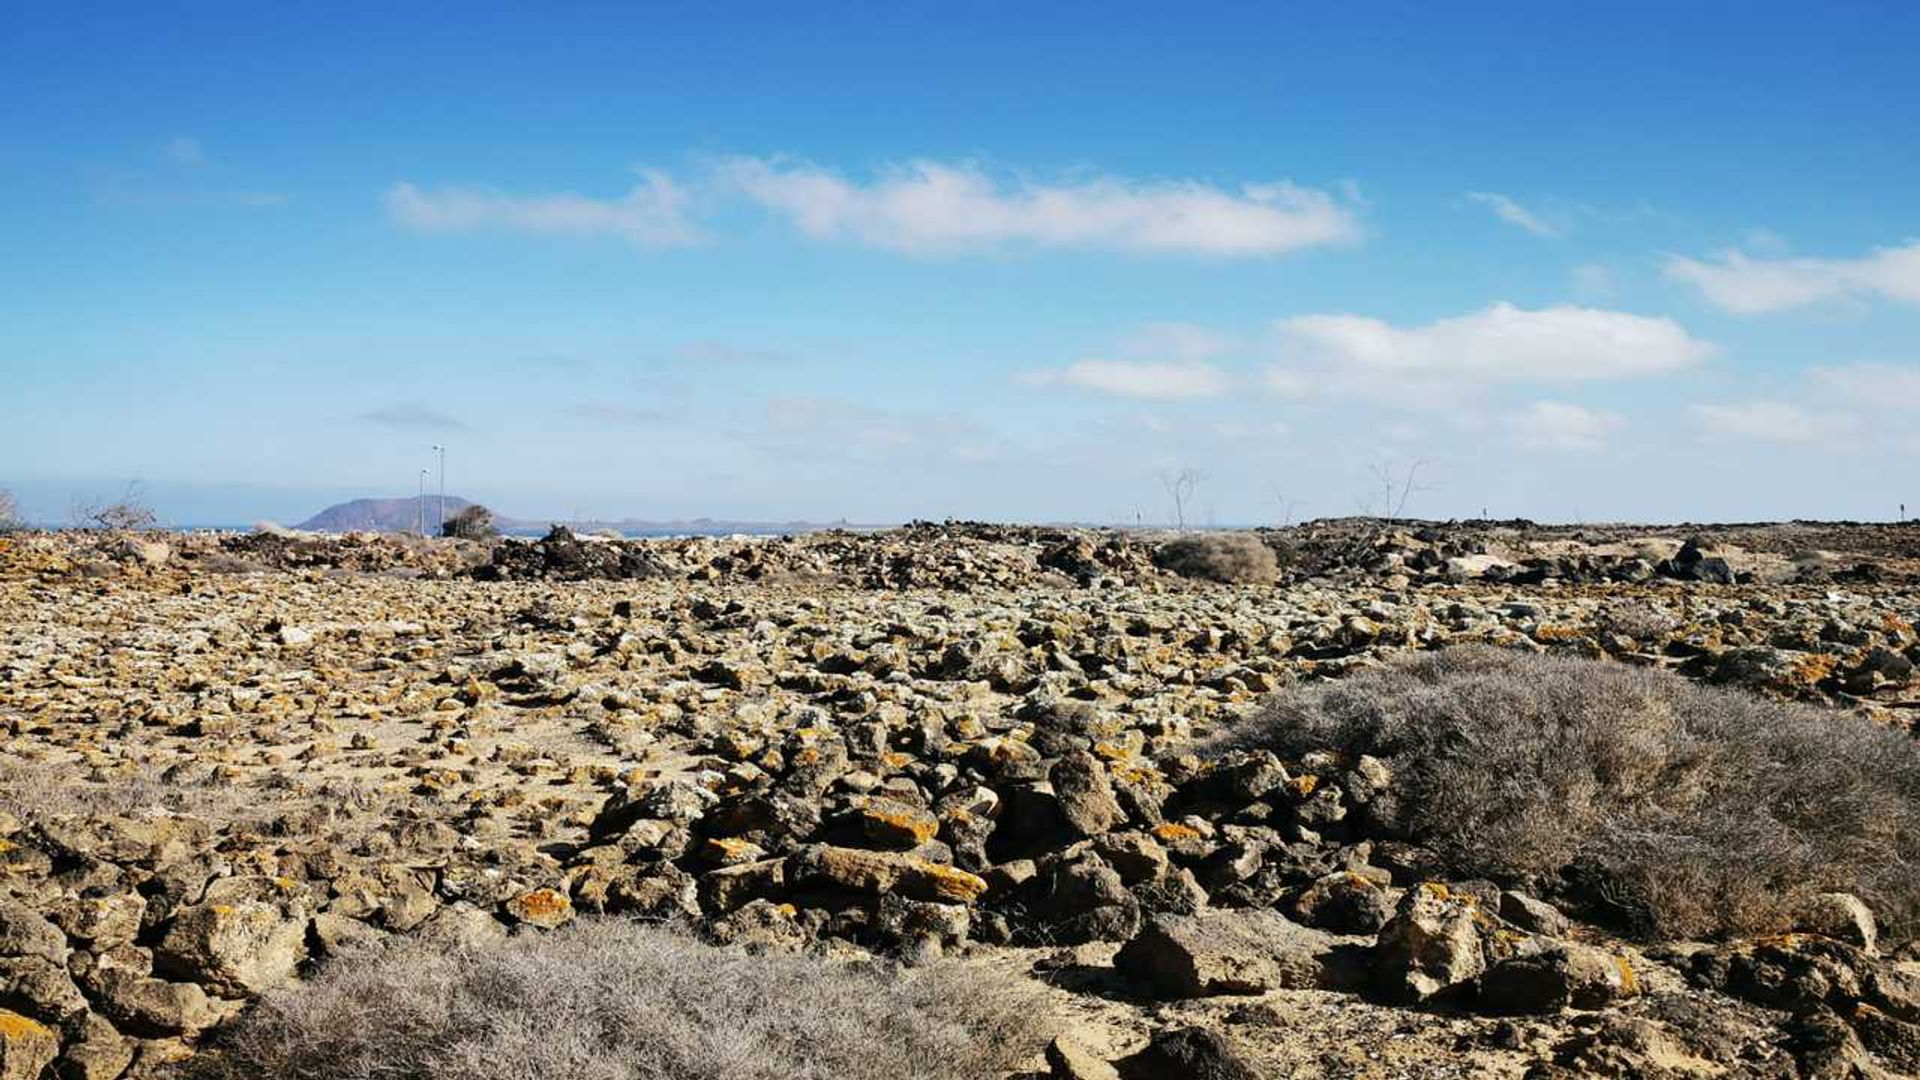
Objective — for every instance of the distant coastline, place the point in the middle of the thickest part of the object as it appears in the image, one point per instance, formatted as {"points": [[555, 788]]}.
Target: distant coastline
{"points": [[413, 513]]}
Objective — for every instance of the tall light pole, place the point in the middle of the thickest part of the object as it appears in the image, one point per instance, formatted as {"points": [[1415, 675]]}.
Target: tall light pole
{"points": [[420, 504], [440, 505]]}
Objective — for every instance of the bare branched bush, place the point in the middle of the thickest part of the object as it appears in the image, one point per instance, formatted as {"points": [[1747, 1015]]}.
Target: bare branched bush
{"points": [[615, 1000], [1679, 809], [129, 513], [1180, 488], [1232, 558], [470, 523], [9, 511]]}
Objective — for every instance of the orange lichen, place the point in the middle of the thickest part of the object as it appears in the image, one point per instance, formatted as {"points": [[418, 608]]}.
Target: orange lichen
{"points": [[541, 904], [933, 881], [1814, 668], [14, 1026], [920, 829], [728, 847], [1629, 982]]}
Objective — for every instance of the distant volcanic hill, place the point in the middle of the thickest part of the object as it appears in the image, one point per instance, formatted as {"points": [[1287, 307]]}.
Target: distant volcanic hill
{"points": [[383, 515]]}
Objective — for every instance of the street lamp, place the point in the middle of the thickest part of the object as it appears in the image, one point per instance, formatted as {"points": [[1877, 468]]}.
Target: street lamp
{"points": [[440, 505], [420, 504]]}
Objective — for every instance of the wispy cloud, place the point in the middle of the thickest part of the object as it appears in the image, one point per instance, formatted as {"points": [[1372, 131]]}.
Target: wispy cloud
{"points": [[1875, 387], [1770, 421], [1559, 425], [725, 353], [183, 150], [653, 214], [1147, 380], [173, 189], [1511, 212], [551, 364], [620, 415], [413, 417], [928, 207], [1158, 362], [830, 429], [1594, 282], [1745, 285]]}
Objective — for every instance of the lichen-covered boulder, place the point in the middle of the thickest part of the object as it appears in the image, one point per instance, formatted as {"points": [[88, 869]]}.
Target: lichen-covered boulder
{"points": [[27, 1046], [1433, 944]]}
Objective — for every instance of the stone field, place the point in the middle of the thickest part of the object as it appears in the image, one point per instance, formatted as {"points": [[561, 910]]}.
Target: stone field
{"points": [[229, 758]]}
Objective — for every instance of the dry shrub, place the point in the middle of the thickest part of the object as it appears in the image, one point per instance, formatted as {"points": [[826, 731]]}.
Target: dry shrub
{"points": [[1641, 621], [37, 791], [614, 1000], [1231, 558], [221, 562], [129, 514], [1683, 810]]}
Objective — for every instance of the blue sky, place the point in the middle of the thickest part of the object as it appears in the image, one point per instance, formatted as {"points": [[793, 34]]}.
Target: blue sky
{"points": [[1002, 261]]}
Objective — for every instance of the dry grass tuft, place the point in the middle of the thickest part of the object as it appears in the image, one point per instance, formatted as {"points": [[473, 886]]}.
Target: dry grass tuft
{"points": [[613, 1000], [1235, 558], [37, 791], [1684, 810]]}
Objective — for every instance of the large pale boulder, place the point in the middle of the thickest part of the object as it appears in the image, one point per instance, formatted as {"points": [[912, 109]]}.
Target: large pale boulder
{"points": [[1561, 975], [1433, 943], [1247, 951], [250, 940]]}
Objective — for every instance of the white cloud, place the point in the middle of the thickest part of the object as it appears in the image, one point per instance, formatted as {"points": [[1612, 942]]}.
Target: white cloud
{"points": [[1287, 382], [1560, 425], [1439, 365], [1498, 344], [1745, 285], [182, 150], [1147, 379], [1873, 386], [652, 214], [1158, 362], [1513, 213], [931, 207], [1769, 421]]}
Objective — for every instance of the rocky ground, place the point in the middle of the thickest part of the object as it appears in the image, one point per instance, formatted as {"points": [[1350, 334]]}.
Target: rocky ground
{"points": [[227, 757]]}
